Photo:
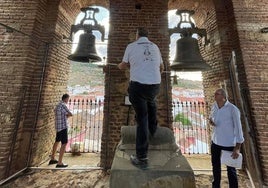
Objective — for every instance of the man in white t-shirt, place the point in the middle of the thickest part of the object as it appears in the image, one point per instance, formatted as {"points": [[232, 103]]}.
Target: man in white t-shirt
{"points": [[144, 59], [227, 135]]}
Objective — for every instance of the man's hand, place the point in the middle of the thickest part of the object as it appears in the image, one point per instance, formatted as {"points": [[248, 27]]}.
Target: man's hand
{"points": [[123, 65], [236, 151], [235, 154], [69, 115], [211, 121]]}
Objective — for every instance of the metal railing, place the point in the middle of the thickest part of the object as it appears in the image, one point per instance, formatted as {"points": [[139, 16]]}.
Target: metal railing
{"points": [[190, 127], [85, 129]]}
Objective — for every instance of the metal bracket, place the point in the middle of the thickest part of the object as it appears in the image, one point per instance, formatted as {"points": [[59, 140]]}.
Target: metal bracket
{"points": [[88, 27], [185, 18]]}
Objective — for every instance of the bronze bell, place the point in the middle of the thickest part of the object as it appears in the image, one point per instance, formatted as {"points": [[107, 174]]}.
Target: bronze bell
{"points": [[188, 57], [85, 51]]}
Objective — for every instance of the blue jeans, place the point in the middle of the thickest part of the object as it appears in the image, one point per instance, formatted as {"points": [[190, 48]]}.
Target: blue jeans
{"points": [[143, 100], [216, 167]]}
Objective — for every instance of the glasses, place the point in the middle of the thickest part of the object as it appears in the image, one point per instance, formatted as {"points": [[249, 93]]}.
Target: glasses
{"points": [[218, 94]]}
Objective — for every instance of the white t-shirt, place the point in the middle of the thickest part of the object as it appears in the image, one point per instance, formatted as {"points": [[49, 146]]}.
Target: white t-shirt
{"points": [[145, 59]]}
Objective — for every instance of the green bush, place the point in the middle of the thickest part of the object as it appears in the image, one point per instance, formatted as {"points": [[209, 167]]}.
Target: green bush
{"points": [[183, 119]]}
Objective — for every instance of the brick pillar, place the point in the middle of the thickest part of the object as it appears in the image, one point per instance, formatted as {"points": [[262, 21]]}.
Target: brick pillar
{"points": [[124, 20], [251, 17], [17, 56], [34, 76]]}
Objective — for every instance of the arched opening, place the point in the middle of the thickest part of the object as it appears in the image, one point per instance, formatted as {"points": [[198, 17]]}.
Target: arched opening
{"points": [[86, 89], [188, 103]]}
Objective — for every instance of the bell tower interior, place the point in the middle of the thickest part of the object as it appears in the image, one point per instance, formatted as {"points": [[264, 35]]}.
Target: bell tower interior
{"points": [[35, 69]]}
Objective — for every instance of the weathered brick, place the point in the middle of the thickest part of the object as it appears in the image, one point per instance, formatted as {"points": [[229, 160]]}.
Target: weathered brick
{"points": [[231, 25]]}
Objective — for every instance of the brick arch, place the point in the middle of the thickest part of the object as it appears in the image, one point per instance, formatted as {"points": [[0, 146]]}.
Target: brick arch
{"points": [[86, 3]]}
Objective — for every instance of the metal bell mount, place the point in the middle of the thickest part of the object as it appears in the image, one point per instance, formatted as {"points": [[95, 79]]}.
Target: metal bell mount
{"points": [[188, 56], [86, 50]]}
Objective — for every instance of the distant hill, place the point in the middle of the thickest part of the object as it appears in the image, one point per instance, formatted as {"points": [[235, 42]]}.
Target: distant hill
{"points": [[85, 74], [188, 84]]}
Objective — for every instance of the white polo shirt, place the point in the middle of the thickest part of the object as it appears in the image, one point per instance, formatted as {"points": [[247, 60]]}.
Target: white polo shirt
{"points": [[228, 129], [145, 58]]}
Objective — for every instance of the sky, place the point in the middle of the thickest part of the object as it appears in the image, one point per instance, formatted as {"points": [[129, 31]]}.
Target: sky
{"points": [[102, 18]]}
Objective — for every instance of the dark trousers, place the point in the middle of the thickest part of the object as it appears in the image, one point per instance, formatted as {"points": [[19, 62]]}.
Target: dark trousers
{"points": [[216, 167], [143, 100]]}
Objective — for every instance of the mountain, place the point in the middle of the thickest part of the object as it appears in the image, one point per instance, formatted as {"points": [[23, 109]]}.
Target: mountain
{"points": [[85, 74], [89, 74]]}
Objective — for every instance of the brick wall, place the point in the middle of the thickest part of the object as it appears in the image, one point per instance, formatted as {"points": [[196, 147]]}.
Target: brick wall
{"points": [[33, 79], [17, 56], [34, 75], [229, 29], [235, 25], [250, 17], [57, 19]]}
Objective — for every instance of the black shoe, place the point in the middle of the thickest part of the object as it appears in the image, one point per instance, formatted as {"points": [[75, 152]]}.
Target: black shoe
{"points": [[141, 163], [52, 161], [61, 165]]}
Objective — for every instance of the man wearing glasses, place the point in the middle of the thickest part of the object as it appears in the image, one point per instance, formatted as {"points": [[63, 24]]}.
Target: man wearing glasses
{"points": [[227, 135]]}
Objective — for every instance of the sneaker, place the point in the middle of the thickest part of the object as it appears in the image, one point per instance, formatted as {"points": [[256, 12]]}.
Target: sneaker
{"points": [[61, 165], [52, 161], [141, 163]]}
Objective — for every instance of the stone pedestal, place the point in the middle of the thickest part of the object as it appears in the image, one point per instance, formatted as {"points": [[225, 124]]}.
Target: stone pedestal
{"points": [[167, 167]]}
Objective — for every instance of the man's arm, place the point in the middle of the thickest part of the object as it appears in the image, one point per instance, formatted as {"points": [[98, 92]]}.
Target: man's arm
{"points": [[67, 111], [123, 65], [238, 132]]}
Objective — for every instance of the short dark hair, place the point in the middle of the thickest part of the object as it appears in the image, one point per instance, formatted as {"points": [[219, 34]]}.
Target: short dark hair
{"points": [[65, 96], [142, 32]]}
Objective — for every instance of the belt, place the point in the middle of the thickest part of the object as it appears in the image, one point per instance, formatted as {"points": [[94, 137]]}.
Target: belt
{"points": [[138, 83]]}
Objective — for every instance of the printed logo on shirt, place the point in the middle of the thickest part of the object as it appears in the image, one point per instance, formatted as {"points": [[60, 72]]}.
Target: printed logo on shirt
{"points": [[147, 53]]}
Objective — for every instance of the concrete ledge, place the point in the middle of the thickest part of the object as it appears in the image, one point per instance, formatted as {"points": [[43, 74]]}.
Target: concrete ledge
{"points": [[166, 168], [163, 135]]}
